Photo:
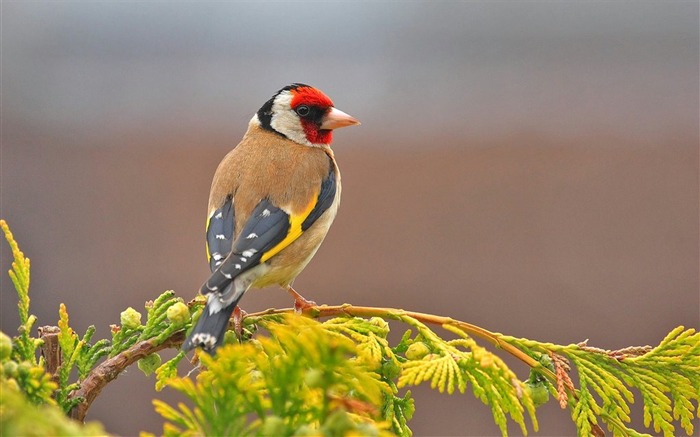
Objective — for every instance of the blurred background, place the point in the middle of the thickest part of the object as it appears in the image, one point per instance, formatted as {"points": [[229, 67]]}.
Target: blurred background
{"points": [[530, 167]]}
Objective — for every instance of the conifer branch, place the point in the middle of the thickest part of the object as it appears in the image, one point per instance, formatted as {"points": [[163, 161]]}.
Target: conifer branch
{"points": [[666, 376], [110, 369]]}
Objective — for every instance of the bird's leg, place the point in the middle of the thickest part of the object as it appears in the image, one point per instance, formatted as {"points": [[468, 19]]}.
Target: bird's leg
{"points": [[238, 315], [300, 303]]}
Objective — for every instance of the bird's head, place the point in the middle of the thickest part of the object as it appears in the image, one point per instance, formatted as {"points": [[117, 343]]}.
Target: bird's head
{"points": [[303, 114]]}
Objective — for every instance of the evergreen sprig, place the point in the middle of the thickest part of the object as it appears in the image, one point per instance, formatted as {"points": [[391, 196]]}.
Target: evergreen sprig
{"points": [[77, 353], [298, 380], [20, 417], [21, 369], [160, 324], [343, 377], [667, 377], [374, 351], [25, 345], [451, 365], [165, 316]]}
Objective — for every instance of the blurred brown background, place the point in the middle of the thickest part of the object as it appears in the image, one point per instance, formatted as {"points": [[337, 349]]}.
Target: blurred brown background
{"points": [[528, 167]]}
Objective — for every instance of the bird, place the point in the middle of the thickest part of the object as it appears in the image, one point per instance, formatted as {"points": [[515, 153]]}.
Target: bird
{"points": [[272, 201]]}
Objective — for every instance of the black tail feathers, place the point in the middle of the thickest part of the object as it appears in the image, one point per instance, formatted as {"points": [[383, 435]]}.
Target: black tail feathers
{"points": [[209, 331]]}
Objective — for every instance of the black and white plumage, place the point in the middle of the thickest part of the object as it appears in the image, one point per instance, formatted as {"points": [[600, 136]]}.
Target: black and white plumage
{"points": [[272, 201], [220, 233]]}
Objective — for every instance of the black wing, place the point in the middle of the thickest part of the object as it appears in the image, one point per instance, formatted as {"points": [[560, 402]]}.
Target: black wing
{"points": [[220, 229], [324, 201], [267, 227], [269, 230]]}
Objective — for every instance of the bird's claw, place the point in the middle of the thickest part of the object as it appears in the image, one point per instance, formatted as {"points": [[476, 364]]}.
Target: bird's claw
{"points": [[301, 305], [238, 316]]}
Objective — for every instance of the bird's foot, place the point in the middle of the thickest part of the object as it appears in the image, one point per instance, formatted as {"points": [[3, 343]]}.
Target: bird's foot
{"points": [[301, 304], [238, 315]]}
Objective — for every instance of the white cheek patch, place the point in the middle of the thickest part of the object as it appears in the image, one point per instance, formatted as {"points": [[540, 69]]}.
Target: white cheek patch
{"points": [[285, 121]]}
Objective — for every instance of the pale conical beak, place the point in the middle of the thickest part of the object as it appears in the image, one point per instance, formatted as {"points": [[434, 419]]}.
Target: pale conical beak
{"points": [[336, 118]]}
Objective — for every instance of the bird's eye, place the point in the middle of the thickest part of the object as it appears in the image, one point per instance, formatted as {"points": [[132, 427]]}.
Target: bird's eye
{"points": [[303, 110]]}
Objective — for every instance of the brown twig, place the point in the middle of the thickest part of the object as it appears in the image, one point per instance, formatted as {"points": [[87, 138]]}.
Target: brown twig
{"points": [[51, 350], [323, 311], [110, 369]]}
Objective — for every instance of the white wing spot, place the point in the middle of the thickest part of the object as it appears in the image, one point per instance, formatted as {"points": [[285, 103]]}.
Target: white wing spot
{"points": [[251, 236], [216, 255], [228, 276], [204, 339], [218, 263], [248, 253], [238, 266], [214, 288], [244, 259], [266, 212], [220, 236], [219, 215]]}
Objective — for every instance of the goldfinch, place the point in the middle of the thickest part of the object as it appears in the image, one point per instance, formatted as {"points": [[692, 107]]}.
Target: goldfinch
{"points": [[272, 201]]}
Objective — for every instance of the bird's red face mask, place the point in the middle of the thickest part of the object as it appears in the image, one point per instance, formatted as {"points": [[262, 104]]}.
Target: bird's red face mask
{"points": [[317, 115]]}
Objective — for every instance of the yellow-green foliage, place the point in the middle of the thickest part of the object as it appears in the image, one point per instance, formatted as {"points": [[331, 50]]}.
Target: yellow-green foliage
{"points": [[667, 377], [301, 380], [21, 368], [26, 404], [24, 345], [456, 364], [375, 352], [289, 375], [77, 353], [30, 378], [342, 377], [159, 324], [19, 417]]}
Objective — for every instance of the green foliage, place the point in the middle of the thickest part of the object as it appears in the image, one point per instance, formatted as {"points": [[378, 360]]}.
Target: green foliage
{"points": [[448, 365], [23, 371], [149, 364], [21, 417], [78, 354], [24, 344], [451, 365], [301, 380], [374, 352], [21, 368], [158, 326], [27, 407], [30, 378], [341, 377], [5, 347], [168, 371], [667, 377], [165, 316]]}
